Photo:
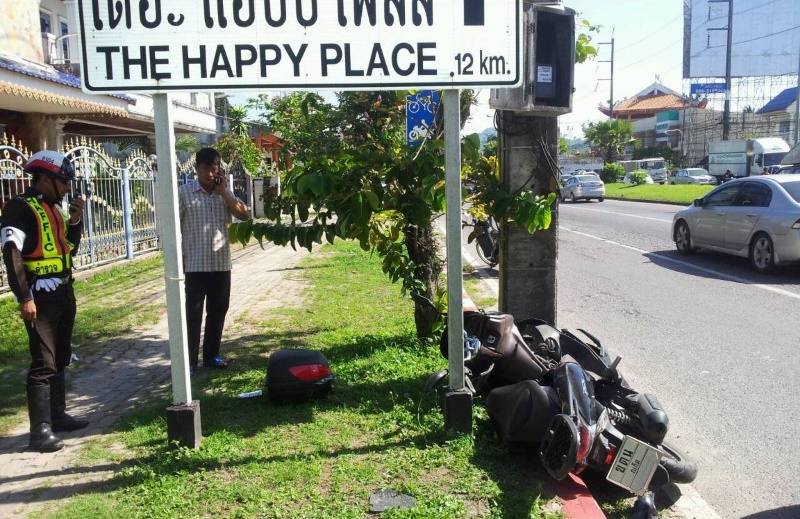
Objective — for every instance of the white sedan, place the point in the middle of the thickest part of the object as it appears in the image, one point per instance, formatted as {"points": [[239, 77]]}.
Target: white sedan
{"points": [[752, 217], [583, 187]]}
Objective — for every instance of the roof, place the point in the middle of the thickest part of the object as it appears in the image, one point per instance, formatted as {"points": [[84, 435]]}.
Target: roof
{"points": [[51, 74], [780, 102], [649, 104]]}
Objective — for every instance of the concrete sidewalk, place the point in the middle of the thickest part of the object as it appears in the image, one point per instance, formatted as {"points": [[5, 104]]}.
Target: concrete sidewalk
{"points": [[128, 371]]}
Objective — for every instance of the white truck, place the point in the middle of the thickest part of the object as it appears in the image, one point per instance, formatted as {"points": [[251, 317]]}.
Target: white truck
{"points": [[745, 157], [656, 167]]}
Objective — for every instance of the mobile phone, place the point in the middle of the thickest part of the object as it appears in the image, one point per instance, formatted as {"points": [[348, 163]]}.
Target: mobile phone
{"points": [[217, 180]]}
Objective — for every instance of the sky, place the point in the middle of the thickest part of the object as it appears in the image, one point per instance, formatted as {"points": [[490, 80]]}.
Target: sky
{"points": [[648, 46]]}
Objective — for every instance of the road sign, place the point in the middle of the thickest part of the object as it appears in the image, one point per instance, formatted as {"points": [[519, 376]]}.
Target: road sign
{"points": [[303, 44], [707, 88], [422, 108]]}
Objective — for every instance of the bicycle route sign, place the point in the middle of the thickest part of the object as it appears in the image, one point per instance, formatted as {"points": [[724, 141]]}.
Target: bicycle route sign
{"points": [[202, 45]]}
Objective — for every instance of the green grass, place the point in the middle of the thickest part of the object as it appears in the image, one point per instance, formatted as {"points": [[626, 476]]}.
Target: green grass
{"points": [[681, 194], [110, 304], [322, 459]]}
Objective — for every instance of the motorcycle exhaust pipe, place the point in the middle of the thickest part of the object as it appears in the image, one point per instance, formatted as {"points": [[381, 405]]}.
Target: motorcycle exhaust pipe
{"points": [[652, 416]]}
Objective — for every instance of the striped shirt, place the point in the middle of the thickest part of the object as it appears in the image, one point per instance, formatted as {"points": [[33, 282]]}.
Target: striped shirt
{"points": [[204, 229]]}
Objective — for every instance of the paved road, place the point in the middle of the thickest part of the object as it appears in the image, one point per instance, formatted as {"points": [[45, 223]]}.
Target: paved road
{"points": [[128, 371], [716, 342]]}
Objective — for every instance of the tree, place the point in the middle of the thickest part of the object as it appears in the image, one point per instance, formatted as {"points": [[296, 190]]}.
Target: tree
{"points": [[233, 146], [584, 50], [236, 120], [610, 137], [353, 177], [563, 146], [490, 148], [186, 143]]}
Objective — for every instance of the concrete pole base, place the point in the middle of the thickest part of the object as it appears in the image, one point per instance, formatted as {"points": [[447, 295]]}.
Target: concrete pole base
{"points": [[183, 425], [458, 412]]}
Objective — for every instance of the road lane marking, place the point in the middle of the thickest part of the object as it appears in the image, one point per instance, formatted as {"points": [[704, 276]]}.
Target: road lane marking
{"points": [[716, 273], [623, 214]]}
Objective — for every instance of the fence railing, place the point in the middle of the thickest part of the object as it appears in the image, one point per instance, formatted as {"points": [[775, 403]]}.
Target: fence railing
{"points": [[120, 216]]}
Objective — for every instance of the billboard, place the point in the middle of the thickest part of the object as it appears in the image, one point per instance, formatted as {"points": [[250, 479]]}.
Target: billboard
{"points": [[766, 38]]}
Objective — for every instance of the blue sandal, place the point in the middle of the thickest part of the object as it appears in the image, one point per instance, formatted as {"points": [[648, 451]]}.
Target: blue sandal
{"points": [[216, 362]]}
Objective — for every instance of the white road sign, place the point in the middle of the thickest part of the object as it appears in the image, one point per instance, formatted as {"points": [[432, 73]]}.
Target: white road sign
{"points": [[163, 46]]}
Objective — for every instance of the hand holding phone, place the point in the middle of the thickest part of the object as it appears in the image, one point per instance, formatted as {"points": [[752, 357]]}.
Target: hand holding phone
{"points": [[76, 208], [218, 180]]}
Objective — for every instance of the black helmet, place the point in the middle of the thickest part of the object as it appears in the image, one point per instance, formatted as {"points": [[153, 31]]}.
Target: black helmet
{"points": [[52, 163]]}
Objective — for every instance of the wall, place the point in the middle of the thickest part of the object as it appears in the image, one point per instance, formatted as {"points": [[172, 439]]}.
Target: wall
{"points": [[20, 35]]}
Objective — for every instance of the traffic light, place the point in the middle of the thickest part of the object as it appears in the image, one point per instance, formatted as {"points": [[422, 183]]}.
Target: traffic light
{"points": [[549, 64]]}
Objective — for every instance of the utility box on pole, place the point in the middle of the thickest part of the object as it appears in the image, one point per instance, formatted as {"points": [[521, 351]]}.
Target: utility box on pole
{"points": [[527, 153], [548, 64]]}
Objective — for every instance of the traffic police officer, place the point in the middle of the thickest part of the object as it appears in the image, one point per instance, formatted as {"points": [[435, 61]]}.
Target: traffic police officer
{"points": [[38, 242]]}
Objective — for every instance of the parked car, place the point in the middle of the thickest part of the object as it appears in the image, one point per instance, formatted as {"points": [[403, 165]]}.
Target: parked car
{"points": [[583, 187], [692, 176], [790, 169], [627, 179], [752, 217]]}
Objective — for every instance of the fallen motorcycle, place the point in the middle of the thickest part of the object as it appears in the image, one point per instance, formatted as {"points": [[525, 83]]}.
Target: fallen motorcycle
{"points": [[562, 394]]}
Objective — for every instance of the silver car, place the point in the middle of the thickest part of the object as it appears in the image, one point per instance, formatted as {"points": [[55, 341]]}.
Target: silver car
{"points": [[752, 217], [692, 176], [583, 187]]}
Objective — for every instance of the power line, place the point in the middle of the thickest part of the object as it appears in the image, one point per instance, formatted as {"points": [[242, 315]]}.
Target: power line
{"points": [[753, 39], [650, 56]]}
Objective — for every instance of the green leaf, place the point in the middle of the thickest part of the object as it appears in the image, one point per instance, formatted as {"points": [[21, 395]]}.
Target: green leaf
{"points": [[258, 233], [303, 183], [302, 212], [372, 198], [316, 184]]}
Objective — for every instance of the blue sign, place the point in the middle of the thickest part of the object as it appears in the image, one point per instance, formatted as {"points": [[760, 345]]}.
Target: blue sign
{"points": [[708, 88], [422, 109]]}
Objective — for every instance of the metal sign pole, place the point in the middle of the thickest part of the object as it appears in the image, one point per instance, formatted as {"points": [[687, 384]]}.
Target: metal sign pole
{"points": [[173, 260], [183, 417], [458, 401]]}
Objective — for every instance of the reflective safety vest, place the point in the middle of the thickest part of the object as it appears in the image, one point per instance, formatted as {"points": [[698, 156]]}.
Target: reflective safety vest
{"points": [[52, 253]]}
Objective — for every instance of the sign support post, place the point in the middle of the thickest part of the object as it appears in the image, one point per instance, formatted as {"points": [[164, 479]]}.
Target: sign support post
{"points": [[183, 417], [458, 400]]}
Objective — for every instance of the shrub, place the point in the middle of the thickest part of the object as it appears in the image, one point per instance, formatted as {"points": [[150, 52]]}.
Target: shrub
{"points": [[612, 173], [638, 177]]}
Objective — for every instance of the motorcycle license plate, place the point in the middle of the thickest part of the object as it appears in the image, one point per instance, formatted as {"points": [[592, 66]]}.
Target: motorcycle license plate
{"points": [[634, 465]]}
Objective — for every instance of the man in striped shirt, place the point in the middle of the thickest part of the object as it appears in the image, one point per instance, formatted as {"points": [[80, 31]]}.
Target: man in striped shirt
{"points": [[206, 208]]}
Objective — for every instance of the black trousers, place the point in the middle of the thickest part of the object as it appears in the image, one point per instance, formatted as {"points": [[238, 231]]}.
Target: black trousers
{"points": [[212, 290], [50, 339]]}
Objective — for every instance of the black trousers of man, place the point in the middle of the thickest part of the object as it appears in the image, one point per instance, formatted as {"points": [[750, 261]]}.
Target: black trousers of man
{"points": [[50, 338], [212, 290]]}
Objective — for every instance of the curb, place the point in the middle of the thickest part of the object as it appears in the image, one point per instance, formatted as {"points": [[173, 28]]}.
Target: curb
{"points": [[577, 500]]}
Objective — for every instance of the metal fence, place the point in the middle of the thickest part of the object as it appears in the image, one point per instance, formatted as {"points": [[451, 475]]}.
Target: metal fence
{"points": [[120, 216]]}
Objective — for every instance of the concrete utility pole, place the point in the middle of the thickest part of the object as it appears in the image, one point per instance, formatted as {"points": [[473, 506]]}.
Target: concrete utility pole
{"points": [[726, 111], [528, 263], [527, 154], [611, 79]]}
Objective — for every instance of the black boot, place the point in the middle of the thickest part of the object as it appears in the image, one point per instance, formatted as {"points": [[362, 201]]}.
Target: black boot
{"points": [[61, 421], [41, 437]]}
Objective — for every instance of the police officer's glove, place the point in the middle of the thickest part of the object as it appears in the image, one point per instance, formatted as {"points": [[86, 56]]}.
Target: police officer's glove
{"points": [[48, 285]]}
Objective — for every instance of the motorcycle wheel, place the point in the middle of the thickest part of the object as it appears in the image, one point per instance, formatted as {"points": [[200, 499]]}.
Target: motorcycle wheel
{"points": [[488, 260], [680, 468]]}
